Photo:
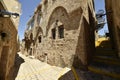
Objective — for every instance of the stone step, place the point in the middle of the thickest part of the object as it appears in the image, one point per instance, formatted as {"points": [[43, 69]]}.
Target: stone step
{"points": [[105, 70], [103, 43], [104, 48], [106, 52], [109, 49], [107, 60]]}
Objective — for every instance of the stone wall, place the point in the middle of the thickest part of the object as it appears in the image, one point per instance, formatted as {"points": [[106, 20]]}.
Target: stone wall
{"points": [[12, 6], [112, 8], [70, 46], [8, 45]]}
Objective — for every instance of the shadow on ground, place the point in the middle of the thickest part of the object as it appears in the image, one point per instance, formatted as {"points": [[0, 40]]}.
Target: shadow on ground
{"points": [[18, 62], [84, 75], [68, 76]]}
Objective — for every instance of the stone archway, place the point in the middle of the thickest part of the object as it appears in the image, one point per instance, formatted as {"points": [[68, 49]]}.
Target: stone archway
{"points": [[56, 30], [39, 31], [58, 14]]}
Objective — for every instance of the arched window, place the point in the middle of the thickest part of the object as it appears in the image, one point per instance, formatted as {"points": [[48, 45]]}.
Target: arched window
{"points": [[39, 39], [31, 36], [61, 31], [39, 16], [53, 33]]}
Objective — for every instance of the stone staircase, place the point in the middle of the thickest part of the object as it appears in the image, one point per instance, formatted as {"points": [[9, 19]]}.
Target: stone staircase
{"points": [[105, 61]]}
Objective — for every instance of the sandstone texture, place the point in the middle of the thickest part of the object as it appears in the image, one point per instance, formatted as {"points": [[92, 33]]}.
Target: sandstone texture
{"points": [[60, 32], [8, 39], [113, 17]]}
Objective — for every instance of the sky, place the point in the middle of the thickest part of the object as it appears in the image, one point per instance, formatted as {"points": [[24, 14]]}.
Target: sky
{"points": [[99, 4], [28, 7]]}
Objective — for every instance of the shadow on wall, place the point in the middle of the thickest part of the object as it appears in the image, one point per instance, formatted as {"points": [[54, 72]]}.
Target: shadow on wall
{"points": [[86, 42], [68, 76], [3, 62], [78, 74], [75, 17], [83, 49], [118, 33], [15, 69]]}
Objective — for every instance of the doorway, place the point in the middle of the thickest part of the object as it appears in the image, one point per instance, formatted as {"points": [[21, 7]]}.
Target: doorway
{"points": [[3, 62]]}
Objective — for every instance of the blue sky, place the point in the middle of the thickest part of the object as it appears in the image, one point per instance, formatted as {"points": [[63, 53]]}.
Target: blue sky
{"points": [[99, 4], [28, 7]]}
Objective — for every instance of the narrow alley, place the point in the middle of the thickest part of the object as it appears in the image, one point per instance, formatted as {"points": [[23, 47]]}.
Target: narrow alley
{"points": [[60, 40], [33, 69]]}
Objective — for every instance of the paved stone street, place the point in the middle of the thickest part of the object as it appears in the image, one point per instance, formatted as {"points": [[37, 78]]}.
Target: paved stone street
{"points": [[33, 69]]}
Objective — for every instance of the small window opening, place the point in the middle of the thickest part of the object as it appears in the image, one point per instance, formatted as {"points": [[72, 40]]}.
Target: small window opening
{"points": [[53, 33], [31, 36], [39, 39], [3, 35], [61, 31]]}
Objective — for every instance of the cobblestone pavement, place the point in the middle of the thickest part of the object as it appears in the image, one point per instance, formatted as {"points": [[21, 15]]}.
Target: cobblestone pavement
{"points": [[33, 69]]}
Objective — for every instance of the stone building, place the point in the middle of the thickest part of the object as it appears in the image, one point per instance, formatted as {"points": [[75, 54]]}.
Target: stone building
{"points": [[28, 41], [112, 9], [8, 38], [61, 32]]}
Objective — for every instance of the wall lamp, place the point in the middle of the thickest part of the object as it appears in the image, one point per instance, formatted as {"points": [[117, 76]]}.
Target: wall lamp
{"points": [[4, 13]]}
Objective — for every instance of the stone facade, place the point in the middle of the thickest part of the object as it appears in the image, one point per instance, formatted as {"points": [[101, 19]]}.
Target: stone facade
{"points": [[63, 33], [113, 17], [8, 39]]}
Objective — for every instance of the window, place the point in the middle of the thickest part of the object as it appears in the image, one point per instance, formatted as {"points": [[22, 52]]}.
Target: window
{"points": [[45, 2], [61, 31], [31, 37], [39, 39], [32, 23], [39, 16], [53, 33]]}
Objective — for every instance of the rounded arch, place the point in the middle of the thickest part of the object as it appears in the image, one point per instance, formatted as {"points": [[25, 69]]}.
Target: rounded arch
{"points": [[31, 36], [58, 14], [40, 30]]}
